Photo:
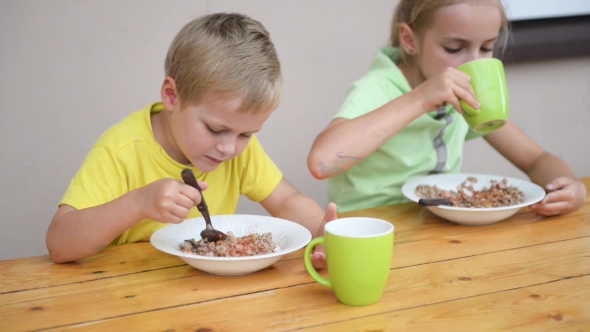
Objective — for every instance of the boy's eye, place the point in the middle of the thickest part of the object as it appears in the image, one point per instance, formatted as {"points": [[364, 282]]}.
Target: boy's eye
{"points": [[246, 135], [214, 131], [452, 50]]}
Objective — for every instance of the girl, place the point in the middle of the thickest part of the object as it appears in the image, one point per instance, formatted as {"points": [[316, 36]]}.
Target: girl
{"points": [[402, 119]]}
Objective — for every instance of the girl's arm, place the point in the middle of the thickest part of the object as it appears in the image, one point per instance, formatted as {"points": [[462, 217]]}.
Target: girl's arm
{"points": [[344, 143], [566, 192]]}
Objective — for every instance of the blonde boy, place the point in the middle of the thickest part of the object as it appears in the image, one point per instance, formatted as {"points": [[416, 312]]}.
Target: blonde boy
{"points": [[223, 81]]}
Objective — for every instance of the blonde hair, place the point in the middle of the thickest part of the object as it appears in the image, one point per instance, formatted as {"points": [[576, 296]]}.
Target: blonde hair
{"points": [[418, 13], [229, 55]]}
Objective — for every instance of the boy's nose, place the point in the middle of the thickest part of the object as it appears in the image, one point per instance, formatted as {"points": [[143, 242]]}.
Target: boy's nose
{"points": [[226, 146]]}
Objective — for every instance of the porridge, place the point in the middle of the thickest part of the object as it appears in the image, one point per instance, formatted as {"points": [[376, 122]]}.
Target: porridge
{"points": [[497, 195], [249, 245]]}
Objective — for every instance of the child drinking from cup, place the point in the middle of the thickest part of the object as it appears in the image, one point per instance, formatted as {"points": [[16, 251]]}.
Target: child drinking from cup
{"points": [[403, 118], [222, 82]]}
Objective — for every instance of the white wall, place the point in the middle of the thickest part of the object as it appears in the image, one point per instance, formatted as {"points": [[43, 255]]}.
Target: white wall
{"points": [[70, 69]]}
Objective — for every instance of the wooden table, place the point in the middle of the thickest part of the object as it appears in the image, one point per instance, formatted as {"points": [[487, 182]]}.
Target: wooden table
{"points": [[523, 274]]}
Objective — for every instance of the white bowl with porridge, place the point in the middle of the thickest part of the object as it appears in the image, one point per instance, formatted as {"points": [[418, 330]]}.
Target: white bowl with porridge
{"points": [[254, 242], [478, 199]]}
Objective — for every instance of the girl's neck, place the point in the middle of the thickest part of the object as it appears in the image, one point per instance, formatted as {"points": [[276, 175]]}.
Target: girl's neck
{"points": [[411, 73]]}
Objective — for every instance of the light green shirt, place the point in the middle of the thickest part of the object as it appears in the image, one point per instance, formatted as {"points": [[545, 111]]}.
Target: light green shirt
{"points": [[433, 143]]}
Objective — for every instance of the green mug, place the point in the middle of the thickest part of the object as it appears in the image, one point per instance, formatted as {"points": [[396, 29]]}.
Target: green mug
{"points": [[358, 251], [488, 81]]}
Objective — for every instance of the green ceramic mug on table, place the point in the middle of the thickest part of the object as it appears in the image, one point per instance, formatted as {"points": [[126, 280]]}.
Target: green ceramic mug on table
{"points": [[488, 81], [358, 251]]}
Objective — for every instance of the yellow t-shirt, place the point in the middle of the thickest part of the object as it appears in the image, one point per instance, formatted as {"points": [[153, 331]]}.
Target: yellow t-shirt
{"points": [[127, 157]]}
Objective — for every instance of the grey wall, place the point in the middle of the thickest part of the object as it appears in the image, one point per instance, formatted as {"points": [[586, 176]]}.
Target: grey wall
{"points": [[70, 69]]}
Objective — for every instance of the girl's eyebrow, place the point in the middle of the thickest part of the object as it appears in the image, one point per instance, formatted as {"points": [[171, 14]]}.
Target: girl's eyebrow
{"points": [[462, 40]]}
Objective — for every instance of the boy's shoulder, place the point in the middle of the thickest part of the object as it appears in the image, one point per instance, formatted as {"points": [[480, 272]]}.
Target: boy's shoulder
{"points": [[135, 128]]}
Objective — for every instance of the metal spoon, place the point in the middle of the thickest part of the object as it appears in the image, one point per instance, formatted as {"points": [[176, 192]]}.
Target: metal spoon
{"points": [[209, 233], [434, 202]]}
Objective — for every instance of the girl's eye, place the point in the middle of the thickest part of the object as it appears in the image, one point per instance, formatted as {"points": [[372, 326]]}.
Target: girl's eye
{"points": [[214, 131], [486, 50], [452, 50]]}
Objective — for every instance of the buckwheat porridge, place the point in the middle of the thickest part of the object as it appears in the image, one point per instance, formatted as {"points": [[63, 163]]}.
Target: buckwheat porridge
{"points": [[497, 195], [249, 245]]}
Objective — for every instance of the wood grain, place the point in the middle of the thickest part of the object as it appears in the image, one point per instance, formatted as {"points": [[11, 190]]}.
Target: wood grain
{"points": [[523, 274], [545, 307], [115, 300], [411, 287]]}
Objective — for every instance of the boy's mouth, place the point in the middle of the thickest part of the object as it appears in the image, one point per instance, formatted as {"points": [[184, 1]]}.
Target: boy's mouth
{"points": [[213, 160]]}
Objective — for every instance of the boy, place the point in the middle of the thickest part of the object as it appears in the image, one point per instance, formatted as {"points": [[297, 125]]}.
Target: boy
{"points": [[222, 83]]}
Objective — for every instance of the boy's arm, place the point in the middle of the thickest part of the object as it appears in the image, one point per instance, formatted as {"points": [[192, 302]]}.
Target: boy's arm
{"points": [[288, 203], [76, 234]]}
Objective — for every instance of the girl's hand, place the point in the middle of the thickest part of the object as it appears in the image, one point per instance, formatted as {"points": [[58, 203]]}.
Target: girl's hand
{"points": [[448, 87], [564, 195], [167, 200]]}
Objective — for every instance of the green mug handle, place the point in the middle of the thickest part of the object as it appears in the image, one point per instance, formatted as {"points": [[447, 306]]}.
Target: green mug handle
{"points": [[307, 259]]}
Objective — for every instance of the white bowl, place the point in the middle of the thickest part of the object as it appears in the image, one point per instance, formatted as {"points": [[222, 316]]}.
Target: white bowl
{"points": [[287, 235], [473, 216]]}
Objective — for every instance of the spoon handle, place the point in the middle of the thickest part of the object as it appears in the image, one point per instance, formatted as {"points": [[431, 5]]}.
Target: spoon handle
{"points": [[189, 178], [434, 201]]}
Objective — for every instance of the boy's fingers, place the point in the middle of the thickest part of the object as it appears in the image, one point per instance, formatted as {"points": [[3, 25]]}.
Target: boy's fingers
{"points": [[331, 212], [318, 260], [192, 192]]}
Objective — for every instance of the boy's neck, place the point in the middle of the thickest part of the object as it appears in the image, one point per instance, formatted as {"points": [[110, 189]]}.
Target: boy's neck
{"points": [[164, 137]]}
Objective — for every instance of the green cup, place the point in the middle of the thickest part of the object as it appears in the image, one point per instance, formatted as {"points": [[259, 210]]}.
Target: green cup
{"points": [[489, 84], [359, 252]]}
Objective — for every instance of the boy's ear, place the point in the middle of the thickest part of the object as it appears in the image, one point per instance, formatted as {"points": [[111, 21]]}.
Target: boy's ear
{"points": [[169, 94], [407, 39]]}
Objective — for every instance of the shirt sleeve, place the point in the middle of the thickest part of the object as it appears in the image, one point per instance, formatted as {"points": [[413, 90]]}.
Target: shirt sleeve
{"points": [[99, 180], [367, 95], [260, 175]]}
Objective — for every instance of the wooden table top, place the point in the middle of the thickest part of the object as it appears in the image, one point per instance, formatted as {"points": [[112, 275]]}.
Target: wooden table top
{"points": [[526, 273]]}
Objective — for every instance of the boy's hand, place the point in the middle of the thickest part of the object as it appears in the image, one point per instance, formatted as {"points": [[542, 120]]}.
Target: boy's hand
{"points": [[564, 195], [167, 200], [318, 258]]}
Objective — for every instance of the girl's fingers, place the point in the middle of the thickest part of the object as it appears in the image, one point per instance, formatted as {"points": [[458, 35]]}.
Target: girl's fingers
{"points": [[559, 183], [550, 209], [464, 95], [465, 90], [563, 195]]}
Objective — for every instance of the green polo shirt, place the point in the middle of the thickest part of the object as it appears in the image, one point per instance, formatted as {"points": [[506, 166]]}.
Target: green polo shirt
{"points": [[433, 143]]}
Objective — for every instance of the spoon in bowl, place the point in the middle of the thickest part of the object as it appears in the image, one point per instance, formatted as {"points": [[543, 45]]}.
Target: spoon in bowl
{"points": [[434, 202], [209, 233]]}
